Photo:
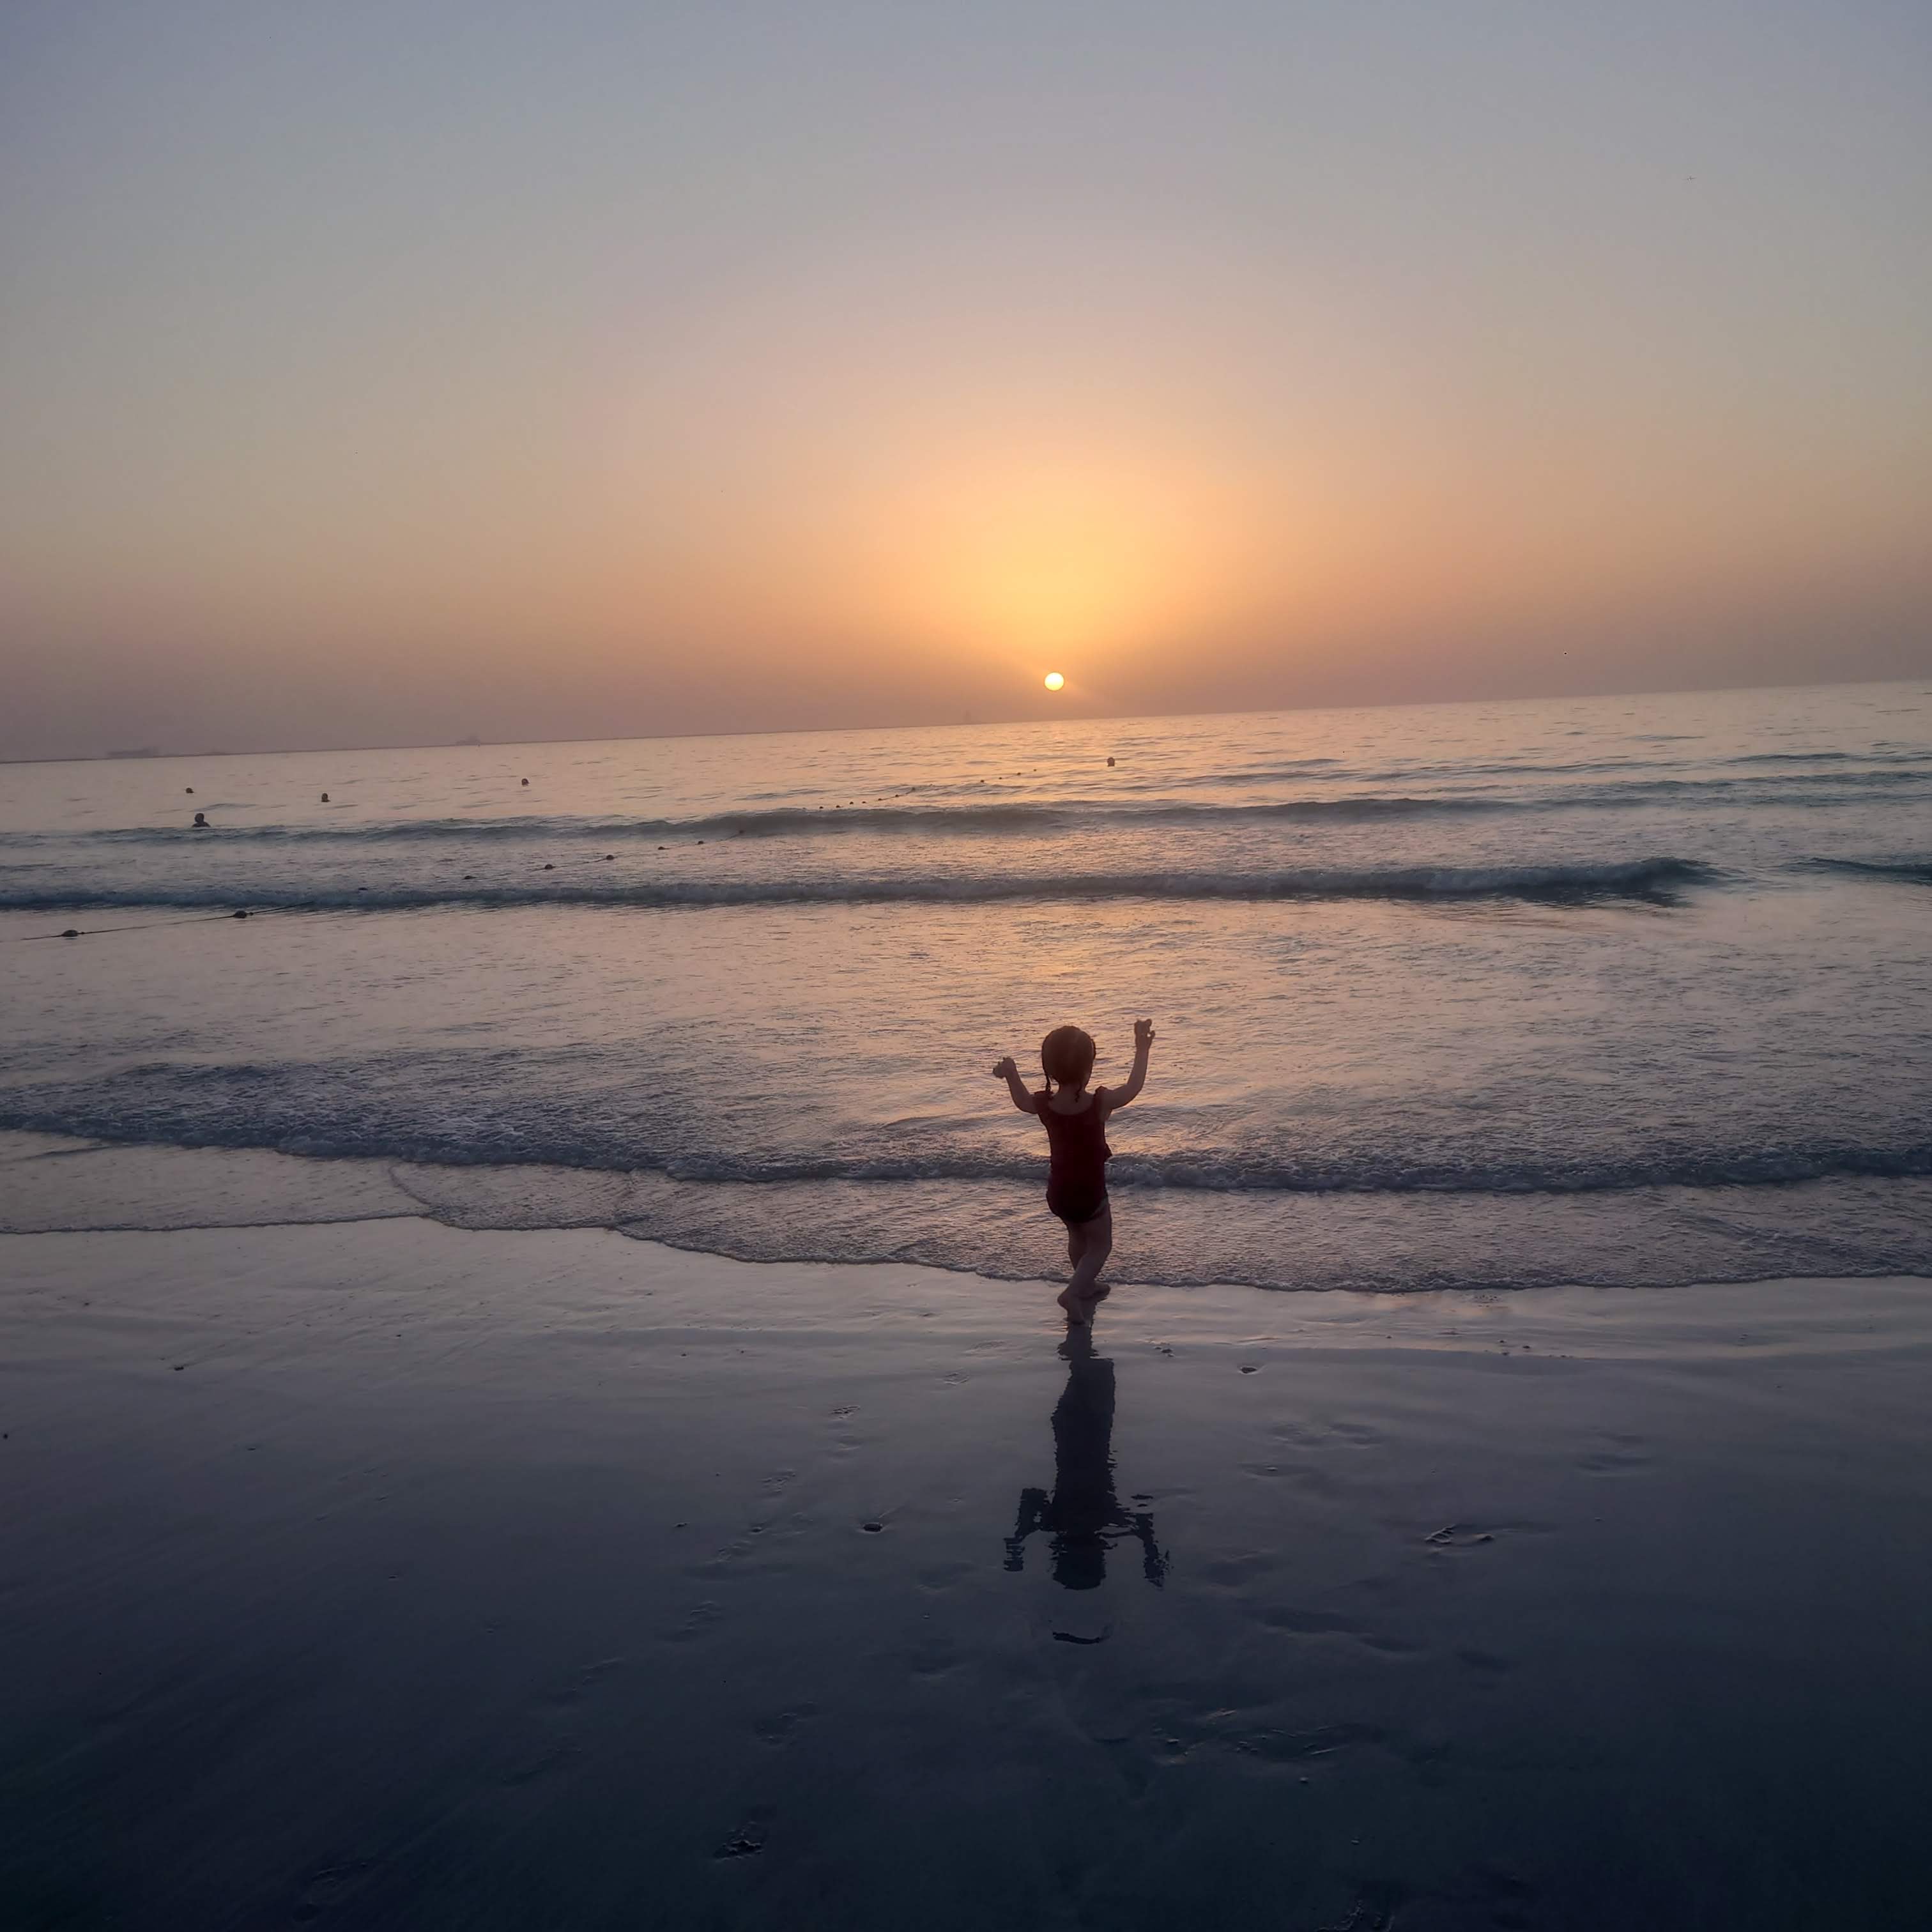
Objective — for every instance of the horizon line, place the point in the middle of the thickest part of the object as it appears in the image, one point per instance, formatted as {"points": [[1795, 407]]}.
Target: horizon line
{"points": [[145, 756]]}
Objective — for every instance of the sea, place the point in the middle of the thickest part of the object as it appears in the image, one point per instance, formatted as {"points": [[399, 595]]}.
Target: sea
{"points": [[1634, 991]]}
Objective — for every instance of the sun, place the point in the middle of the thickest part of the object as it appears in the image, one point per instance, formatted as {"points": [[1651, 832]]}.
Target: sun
{"points": [[1054, 680]]}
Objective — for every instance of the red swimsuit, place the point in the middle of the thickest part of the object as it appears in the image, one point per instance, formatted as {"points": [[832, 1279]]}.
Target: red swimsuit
{"points": [[1076, 1183]]}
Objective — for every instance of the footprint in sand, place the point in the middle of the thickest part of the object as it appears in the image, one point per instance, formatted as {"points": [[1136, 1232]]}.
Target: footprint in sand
{"points": [[327, 1886], [699, 1621], [1459, 1536], [749, 1838], [586, 1680], [779, 1729]]}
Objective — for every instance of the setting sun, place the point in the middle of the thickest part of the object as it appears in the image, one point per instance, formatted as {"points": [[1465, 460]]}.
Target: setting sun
{"points": [[1054, 680]]}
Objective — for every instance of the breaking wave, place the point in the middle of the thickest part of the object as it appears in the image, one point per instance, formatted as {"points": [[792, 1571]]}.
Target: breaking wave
{"points": [[1913, 871], [1003, 819], [328, 1114], [1655, 879]]}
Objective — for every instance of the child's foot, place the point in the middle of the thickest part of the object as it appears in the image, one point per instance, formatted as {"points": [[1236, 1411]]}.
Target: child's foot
{"points": [[1076, 1311]]}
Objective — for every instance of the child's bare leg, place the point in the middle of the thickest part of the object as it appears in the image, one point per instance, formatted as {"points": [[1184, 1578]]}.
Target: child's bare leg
{"points": [[1076, 1246], [1096, 1244]]}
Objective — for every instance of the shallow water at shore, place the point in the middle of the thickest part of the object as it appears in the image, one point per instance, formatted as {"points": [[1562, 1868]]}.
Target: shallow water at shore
{"points": [[1633, 989]]}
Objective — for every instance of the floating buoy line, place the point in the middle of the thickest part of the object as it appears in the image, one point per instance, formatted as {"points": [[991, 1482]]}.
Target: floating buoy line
{"points": [[201, 824], [193, 919]]}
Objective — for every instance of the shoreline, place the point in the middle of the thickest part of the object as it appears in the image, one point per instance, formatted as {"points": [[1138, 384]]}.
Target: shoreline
{"points": [[1501, 1294], [410, 1576], [1606, 1320], [63, 1184]]}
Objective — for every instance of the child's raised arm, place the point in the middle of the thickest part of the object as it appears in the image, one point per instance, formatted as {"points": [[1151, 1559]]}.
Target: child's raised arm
{"points": [[1006, 1071], [1119, 1097]]}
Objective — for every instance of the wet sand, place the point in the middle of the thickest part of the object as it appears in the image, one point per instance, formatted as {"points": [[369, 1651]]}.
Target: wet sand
{"points": [[382, 1575]]}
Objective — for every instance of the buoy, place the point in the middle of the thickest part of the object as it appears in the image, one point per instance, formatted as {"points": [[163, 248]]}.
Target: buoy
{"points": [[549, 868], [189, 789], [470, 875], [610, 855]]}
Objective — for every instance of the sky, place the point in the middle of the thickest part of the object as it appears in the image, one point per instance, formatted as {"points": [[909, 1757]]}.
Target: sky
{"points": [[400, 373]]}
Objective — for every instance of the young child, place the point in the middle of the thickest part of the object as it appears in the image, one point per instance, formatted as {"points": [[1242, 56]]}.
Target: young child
{"points": [[1076, 1122]]}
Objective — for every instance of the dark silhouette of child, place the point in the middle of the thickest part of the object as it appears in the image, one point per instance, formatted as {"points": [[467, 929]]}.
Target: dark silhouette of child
{"points": [[1076, 1122]]}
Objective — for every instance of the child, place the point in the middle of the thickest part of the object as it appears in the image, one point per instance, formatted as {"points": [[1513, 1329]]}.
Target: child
{"points": [[1076, 1122]]}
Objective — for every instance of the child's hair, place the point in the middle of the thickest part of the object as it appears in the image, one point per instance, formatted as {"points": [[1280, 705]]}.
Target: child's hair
{"points": [[1067, 1055]]}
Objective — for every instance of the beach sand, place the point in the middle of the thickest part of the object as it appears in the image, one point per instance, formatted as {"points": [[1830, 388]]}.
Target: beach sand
{"points": [[385, 1575]]}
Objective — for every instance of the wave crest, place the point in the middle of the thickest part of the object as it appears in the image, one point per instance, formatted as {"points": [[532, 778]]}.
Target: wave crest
{"points": [[1003, 818], [1655, 879], [227, 1107], [1914, 871]]}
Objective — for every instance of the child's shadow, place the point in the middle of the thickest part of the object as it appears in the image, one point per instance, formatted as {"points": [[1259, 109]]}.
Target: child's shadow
{"points": [[1083, 1517]]}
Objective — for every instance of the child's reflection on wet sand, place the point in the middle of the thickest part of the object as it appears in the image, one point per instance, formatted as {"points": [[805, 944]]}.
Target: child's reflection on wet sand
{"points": [[1083, 1517]]}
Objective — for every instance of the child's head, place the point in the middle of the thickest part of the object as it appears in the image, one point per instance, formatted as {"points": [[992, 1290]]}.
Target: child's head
{"points": [[1067, 1055]]}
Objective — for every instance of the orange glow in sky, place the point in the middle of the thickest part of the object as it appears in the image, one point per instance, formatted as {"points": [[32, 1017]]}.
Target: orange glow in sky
{"points": [[856, 370]]}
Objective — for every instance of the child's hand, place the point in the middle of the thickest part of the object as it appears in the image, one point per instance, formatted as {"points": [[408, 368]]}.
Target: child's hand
{"points": [[1143, 1035], [1005, 1069]]}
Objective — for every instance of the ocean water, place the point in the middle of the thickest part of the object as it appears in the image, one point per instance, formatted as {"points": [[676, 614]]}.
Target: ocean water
{"points": [[1631, 991]]}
